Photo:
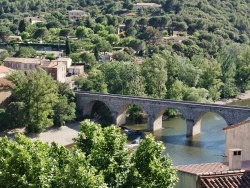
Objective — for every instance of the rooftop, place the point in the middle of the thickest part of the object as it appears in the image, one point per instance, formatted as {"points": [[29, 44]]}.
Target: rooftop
{"points": [[234, 180], [211, 168], [148, 4], [237, 125], [4, 82], [23, 60], [218, 174], [51, 64], [76, 11], [4, 69]]}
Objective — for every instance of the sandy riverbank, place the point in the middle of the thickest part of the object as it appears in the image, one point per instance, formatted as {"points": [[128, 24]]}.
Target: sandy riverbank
{"points": [[64, 135], [242, 96]]}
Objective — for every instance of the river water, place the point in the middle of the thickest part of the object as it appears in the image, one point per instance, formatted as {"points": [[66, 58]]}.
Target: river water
{"points": [[208, 146]]}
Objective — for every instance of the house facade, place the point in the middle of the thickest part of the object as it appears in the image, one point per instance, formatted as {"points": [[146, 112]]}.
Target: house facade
{"points": [[21, 63], [57, 70], [238, 136]]}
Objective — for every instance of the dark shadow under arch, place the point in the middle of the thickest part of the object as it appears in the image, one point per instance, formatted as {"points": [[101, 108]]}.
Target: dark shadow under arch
{"points": [[99, 112]]}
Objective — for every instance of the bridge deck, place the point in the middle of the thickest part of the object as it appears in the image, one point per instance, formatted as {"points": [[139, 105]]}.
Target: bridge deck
{"points": [[163, 100]]}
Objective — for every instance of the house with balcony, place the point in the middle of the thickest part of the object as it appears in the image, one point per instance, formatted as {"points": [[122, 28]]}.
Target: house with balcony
{"points": [[76, 15]]}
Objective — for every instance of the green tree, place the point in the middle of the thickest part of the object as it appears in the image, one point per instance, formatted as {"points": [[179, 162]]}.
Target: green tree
{"points": [[27, 163], [64, 109], [227, 59], [95, 82], [88, 59], [82, 32], [26, 52], [65, 32], [149, 168], [123, 78], [41, 33], [242, 75], [22, 25], [67, 47], [154, 73], [4, 32], [106, 151], [211, 79], [38, 93]]}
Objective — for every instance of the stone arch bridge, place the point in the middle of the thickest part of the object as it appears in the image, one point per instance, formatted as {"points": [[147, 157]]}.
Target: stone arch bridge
{"points": [[154, 108]]}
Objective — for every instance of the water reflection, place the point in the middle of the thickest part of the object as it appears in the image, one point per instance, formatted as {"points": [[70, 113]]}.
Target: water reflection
{"points": [[208, 146]]}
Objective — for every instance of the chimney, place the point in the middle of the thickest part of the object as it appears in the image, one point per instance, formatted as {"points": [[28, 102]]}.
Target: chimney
{"points": [[234, 159]]}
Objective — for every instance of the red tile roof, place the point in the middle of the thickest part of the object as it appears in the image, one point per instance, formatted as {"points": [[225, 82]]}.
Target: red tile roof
{"points": [[234, 180], [211, 175], [4, 69], [4, 82]]}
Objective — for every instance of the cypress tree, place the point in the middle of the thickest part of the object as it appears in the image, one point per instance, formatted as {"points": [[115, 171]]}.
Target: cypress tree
{"points": [[67, 47]]}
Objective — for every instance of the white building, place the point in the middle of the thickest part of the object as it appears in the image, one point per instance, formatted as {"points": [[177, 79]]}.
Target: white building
{"points": [[147, 5]]}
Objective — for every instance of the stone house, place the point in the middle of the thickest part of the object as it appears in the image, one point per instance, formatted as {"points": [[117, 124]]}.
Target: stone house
{"points": [[57, 70], [21, 63], [76, 15], [12, 38]]}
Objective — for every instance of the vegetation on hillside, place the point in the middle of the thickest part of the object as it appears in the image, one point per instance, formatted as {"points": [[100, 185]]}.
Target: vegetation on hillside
{"points": [[209, 62]]}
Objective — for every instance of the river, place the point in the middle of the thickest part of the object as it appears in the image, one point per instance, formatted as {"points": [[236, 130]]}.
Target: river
{"points": [[208, 146]]}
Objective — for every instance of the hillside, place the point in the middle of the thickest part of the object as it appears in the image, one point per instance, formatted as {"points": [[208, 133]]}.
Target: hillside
{"points": [[188, 50]]}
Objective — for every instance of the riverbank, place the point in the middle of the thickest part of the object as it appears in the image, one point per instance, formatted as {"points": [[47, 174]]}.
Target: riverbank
{"points": [[62, 135], [242, 96]]}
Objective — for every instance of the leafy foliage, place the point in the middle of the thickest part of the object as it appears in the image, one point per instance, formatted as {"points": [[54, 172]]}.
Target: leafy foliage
{"points": [[27, 163], [105, 149]]}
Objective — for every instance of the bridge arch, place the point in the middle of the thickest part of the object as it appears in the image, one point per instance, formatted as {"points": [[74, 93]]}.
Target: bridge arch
{"points": [[198, 121], [122, 112], [94, 109]]}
